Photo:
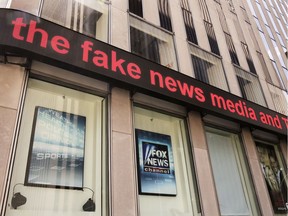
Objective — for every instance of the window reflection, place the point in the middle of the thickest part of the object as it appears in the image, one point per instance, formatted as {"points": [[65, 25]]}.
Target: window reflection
{"points": [[152, 43], [87, 17]]}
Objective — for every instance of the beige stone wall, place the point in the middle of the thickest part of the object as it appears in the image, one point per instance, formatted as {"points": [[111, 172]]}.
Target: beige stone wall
{"points": [[123, 181], [259, 182], [203, 167], [11, 85]]}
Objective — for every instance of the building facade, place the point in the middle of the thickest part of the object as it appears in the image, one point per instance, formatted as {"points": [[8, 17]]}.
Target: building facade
{"points": [[143, 108]]}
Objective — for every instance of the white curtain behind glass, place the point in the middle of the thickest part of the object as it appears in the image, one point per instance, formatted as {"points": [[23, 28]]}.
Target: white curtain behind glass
{"points": [[228, 182]]}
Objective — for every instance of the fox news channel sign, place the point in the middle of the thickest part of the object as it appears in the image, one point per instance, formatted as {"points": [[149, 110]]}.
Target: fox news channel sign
{"points": [[156, 172]]}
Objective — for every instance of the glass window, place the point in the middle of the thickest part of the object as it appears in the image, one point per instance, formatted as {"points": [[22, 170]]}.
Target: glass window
{"points": [[233, 184], [262, 14], [266, 45], [209, 28], [135, 6], [273, 23], [278, 52], [279, 98], [188, 21], [152, 43], [281, 41], [245, 15], [251, 8], [248, 57], [285, 71], [165, 178], [276, 3], [271, 3], [3, 3], [264, 67], [32, 6], [282, 28], [284, 19], [270, 32], [208, 68], [250, 86], [258, 24], [265, 5], [164, 15], [212, 38], [277, 72], [275, 13], [275, 176], [59, 158], [86, 16]]}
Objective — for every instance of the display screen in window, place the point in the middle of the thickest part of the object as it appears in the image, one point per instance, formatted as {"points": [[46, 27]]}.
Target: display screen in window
{"points": [[275, 177], [56, 155], [156, 171]]}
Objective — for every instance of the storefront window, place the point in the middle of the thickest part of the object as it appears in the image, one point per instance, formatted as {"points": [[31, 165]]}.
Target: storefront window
{"points": [[275, 176], [165, 179], [233, 185], [59, 157]]}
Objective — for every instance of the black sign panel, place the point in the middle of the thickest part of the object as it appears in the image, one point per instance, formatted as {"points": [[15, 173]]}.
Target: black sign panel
{"points": [[44, 41]]}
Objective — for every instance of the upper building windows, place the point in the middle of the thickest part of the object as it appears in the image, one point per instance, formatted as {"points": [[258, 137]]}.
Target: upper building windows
{"points": [[208, 68], [165, 21], [279, 98], [87, 17], [188, 21], [136, 7], [209, 27], [250, 86], [152, 43]]}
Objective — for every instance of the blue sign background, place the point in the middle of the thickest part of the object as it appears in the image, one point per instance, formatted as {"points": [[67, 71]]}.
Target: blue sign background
{"points": [[160, 177]]}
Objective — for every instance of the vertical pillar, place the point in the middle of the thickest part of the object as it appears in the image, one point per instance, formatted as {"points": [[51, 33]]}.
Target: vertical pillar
{"points": [[203, 167], [259, 182], [283, 148], [11, 84], [123, 181]]}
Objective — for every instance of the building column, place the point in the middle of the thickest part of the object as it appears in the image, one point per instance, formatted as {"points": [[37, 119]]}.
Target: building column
{"points": [[259, 182], [203, 167], [11, 85], [123, 177], [283, 147]]}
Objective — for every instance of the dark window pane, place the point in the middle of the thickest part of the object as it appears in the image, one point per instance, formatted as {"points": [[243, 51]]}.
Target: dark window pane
{"points": [[135, 6], [231, 48], [212, 38], [144, 45], [242, 82], [90, 18], [164, 16], [189, 26], [201, 68], [264, 67], [248, 58]]}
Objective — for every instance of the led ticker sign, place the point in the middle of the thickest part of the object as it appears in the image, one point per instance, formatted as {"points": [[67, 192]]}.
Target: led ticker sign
{"points": [[45, 41]]}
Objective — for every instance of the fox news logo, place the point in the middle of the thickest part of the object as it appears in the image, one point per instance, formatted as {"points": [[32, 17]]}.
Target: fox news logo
{"points": [[156, 158]]}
